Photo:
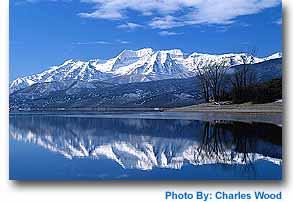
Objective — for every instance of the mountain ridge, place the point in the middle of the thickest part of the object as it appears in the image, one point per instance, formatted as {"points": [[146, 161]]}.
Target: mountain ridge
{"points": [[135, 66], [73, 94]]}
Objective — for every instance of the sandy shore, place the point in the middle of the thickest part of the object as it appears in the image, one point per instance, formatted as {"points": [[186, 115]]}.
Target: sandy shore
{"points": [[269, 108], [247, 112]]}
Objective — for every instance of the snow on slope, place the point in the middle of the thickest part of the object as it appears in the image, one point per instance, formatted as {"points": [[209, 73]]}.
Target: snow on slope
{"points": [[274, 56], [135, 66]]}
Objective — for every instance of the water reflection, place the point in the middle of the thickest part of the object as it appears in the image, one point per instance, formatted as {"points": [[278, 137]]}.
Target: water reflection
{"points": [[145, 144]]}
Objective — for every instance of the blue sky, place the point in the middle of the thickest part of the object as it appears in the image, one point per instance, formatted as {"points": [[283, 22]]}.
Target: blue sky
{"points": [[44, 33]]}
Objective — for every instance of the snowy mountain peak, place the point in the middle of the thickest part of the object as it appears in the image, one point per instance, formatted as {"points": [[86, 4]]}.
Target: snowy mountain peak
{"points": [[196, 60], [225, 55], [136, 66], [274, 56], [20, 83], [138, 53], [173, 52], [70, 61], [144, 51]]}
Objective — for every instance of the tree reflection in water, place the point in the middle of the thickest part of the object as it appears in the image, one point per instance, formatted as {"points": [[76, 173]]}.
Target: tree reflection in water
{"points": [[225, 140], [212, 144]]}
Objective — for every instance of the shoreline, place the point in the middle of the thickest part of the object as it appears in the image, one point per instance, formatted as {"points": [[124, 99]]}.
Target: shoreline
{"points": [[185, 113], [268, 108], [247, 108]]}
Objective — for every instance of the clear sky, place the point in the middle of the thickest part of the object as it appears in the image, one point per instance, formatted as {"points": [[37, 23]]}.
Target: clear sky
{"points": [[44, 33]]}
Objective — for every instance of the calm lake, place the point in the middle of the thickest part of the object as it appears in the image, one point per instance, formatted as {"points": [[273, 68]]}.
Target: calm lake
{"points": [[102, 147]]}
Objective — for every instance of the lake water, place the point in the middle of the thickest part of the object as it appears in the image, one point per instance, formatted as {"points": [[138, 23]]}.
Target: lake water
{"points": [[95, 147]]}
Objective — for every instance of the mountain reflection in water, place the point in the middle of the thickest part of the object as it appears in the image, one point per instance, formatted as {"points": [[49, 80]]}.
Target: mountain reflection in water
{"points": [[145, 144]]}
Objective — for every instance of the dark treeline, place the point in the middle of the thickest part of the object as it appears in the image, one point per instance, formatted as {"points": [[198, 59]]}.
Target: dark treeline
{"points": [[266, 92], [239, 87]]}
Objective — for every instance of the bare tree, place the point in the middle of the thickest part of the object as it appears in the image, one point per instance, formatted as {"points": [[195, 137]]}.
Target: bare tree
{"points": [[212, 78], [216, 74], [244, 75], [202, 76]]}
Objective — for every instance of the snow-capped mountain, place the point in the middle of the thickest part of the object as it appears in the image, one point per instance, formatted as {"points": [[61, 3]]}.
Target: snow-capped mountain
{"points": [[135, 66]]}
